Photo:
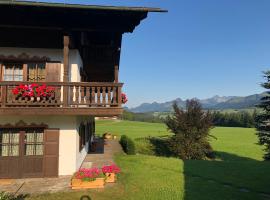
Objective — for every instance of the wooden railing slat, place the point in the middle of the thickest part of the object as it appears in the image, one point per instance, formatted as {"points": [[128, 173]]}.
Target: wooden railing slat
{"points": [[98, 95]]}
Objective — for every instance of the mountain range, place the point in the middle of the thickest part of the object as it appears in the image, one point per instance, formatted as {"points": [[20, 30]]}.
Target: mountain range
{"points": [[213, 103]]}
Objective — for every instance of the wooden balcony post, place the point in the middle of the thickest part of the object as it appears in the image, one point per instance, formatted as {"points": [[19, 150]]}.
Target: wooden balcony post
{"points": [[116, 73], [119, 91], [3, 95], [66, 69]]}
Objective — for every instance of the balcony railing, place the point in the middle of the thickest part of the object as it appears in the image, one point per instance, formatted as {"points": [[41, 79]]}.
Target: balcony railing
{"points": [[65, 95]]}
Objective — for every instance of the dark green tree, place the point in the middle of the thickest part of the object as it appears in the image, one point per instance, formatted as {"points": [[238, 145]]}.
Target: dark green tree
{"points": [[191, 131], [263, 118]]}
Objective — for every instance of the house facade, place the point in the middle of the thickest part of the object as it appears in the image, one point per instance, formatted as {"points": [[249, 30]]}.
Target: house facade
{"points": [[59, 67]]}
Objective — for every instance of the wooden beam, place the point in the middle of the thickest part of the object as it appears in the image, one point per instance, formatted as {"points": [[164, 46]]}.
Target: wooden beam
{"points": [[25, 72], [116, 73], [3, 95], [66, 69], [98, 112], [66, 58]]}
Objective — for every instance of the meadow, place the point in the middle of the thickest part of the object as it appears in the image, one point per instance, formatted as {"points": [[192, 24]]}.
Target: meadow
{"points": [[237, 173]]}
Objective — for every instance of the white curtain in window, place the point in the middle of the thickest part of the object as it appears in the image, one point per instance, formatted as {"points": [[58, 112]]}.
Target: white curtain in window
{"points": [[34, 143], [13, 72], [9, 144], [8, 73]]}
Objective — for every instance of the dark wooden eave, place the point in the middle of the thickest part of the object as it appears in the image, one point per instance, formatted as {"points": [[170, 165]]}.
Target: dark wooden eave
{"points": [[71, 17], [98, 112]]}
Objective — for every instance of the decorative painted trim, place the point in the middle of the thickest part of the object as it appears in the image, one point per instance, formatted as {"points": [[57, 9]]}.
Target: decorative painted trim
{"points": [[23, 57], [22, 124]]}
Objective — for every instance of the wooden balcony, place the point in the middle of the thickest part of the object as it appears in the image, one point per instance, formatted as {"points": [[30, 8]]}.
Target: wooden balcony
{"points": [[68, 98]]}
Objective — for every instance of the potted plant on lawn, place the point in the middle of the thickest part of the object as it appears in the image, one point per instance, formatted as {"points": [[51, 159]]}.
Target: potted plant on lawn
{"points": [[111, 172], [88, 178]]}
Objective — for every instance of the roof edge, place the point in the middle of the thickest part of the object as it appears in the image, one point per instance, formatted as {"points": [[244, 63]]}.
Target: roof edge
{"points": [[81, 6]]}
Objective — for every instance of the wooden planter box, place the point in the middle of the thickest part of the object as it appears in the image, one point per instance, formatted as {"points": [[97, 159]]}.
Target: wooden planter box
{"points": [[110, 178], [79, 184]]}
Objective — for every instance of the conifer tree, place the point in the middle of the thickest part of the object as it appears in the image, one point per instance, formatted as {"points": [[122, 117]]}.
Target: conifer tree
{"points": [[190, 130], [263, 118]]}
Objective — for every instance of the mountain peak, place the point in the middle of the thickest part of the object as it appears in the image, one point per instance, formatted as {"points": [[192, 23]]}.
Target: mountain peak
{"points": [[215, 102]]}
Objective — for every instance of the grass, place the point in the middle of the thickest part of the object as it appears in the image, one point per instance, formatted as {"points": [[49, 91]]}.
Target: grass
{"points": [[131, 128], [238, 141], [142, 177], [238, 173]]}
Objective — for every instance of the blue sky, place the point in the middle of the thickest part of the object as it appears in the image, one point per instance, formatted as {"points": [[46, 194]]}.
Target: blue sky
{"points": [[200, 48]]}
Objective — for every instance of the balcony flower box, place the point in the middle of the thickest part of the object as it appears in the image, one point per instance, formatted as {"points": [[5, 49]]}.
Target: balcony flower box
{"points": [[111, 172], [33, 92], [88, 179]]}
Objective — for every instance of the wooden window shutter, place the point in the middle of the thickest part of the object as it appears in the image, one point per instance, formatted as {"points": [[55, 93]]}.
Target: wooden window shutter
{"points": [[53, 72], [24, 72], [51, 152]]}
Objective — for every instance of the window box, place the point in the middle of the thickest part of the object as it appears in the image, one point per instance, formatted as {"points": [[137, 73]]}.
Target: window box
{"points": [[79, 184]]}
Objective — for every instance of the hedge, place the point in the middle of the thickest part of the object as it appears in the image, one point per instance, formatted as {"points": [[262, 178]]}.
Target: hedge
{"points": [[128, 145]]}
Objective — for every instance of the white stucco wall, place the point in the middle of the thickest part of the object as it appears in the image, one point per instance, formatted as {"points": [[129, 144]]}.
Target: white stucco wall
{"points": [[70, 158], [75, 61]]}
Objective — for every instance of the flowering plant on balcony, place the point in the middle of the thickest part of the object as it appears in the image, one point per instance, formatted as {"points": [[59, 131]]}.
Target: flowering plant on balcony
{"points": [[111, 169], [124, 98], [33, 90], [89, 174]]}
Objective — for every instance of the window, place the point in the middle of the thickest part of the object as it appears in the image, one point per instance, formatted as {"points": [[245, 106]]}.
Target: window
{"points": [[9, 142], [86, 133], [33, 142], [13, 72], [36, 72]]}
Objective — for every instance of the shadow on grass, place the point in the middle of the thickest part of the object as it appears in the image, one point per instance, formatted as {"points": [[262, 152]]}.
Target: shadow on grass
{"points": [[21, 197], [8, 196], [157, 146], [160, 146], [233, 177]]}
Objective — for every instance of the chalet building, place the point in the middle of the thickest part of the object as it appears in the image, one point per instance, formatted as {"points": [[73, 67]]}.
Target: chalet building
{"points": [[59, 66]]}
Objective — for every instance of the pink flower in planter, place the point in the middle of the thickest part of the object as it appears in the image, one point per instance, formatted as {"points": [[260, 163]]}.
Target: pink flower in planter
{"points": [[111, 169], [88, 174]]}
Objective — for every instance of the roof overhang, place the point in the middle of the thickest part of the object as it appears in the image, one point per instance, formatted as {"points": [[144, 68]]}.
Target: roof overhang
{"points": [[71, 17]]}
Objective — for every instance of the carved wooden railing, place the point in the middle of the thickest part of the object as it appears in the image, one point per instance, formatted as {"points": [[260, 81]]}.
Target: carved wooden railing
{"points": [[79, 94]]}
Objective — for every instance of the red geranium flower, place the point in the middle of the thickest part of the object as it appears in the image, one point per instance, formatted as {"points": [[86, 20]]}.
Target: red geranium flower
{"points": [[124, 98]]}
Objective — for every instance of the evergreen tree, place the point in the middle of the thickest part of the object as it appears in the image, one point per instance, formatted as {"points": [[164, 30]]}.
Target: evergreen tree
{"points": [[263, 118], [191, 131]]}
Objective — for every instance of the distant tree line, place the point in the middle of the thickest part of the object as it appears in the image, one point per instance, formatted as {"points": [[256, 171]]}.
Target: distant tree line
{"points": [[141, 117], [226, 119], [234, 119]]}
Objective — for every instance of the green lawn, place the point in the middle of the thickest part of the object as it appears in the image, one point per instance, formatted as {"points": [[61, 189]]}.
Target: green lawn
{"points": [[238, 173], [130, 128], [238, 141]]}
